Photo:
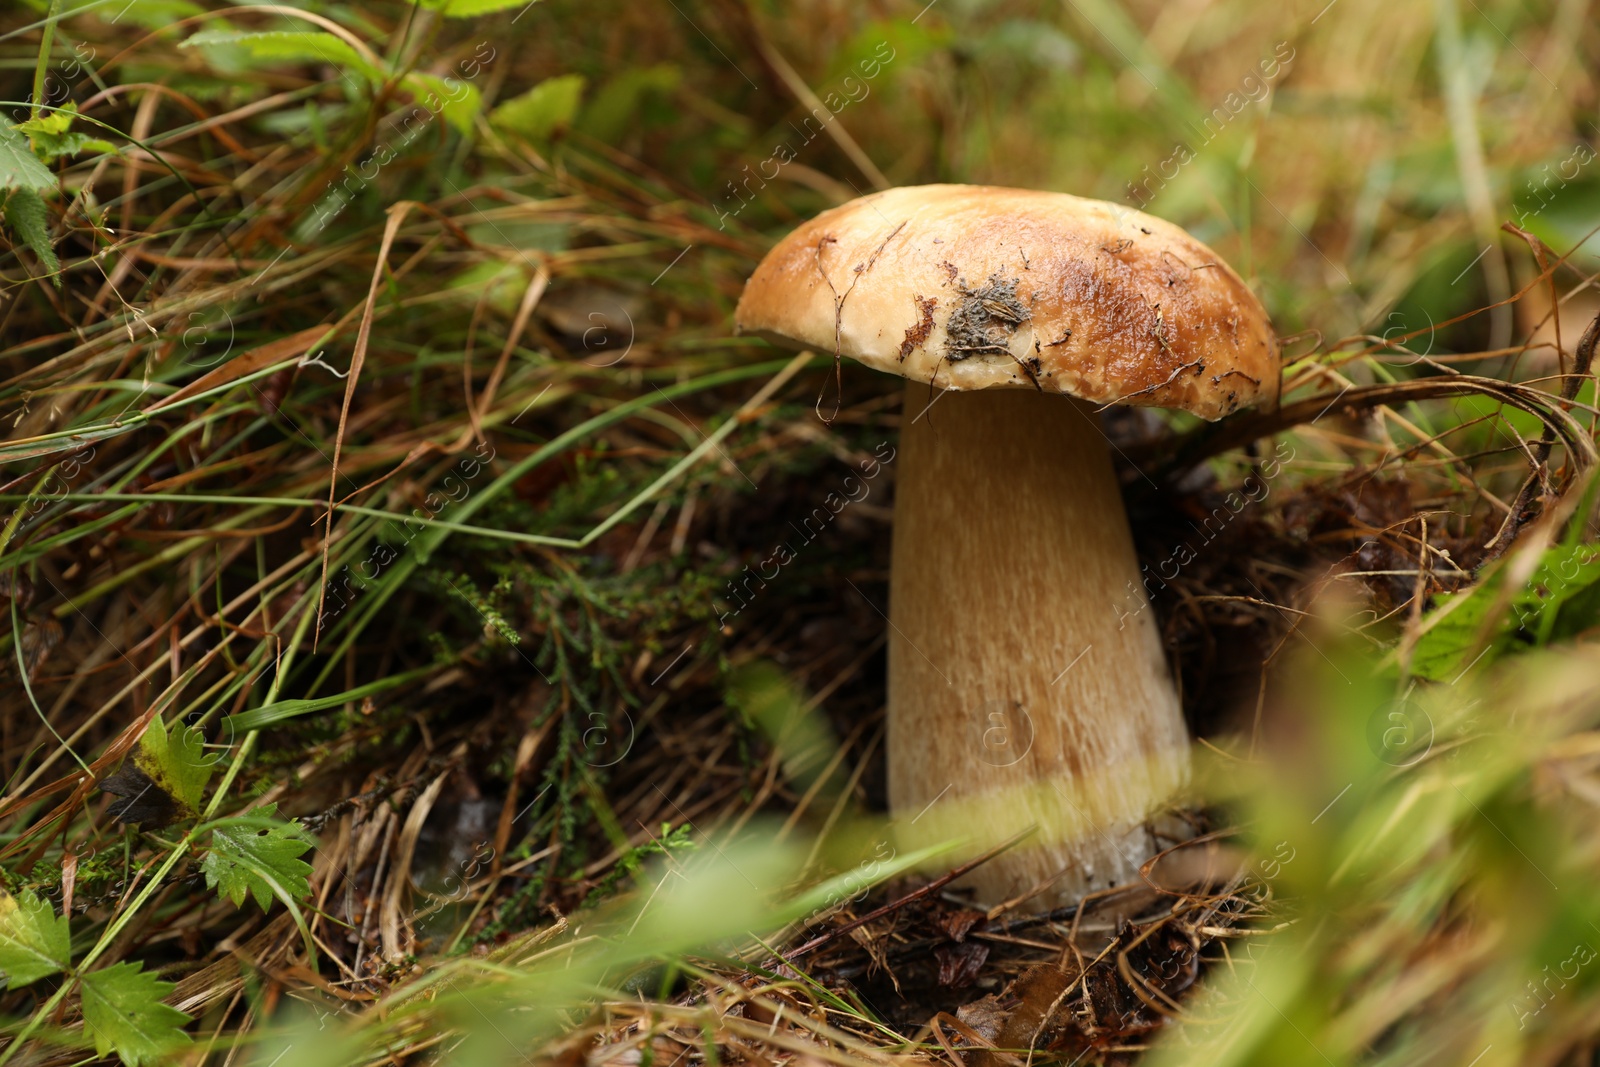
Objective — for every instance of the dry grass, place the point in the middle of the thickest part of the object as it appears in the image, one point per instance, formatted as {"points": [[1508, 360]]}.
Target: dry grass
{"points": [[495, 679]]}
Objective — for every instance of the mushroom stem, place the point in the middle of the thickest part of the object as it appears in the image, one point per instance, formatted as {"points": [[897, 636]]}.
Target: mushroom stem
{"points": [[1027, 685]]}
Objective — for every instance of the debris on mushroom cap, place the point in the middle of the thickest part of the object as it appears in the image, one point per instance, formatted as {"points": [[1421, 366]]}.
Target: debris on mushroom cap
{"points": [[978, 287], [984, 320]]}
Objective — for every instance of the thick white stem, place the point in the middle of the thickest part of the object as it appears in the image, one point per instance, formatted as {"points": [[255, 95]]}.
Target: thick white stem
{"points": [[1027, 685]]}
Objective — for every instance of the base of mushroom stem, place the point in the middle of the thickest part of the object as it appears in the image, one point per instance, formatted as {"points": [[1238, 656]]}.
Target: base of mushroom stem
{"points": [[1081, 837]]}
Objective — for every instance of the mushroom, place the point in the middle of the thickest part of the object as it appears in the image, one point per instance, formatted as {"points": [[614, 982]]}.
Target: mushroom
{"points": [[1027, 682]]}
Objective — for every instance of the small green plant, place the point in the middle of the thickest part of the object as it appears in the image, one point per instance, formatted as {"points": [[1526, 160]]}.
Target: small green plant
{"points": [[670, 840], [258, 855], [121, 1004]]}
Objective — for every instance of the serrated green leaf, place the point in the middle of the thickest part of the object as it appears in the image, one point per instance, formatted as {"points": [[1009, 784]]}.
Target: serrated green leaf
{"points": [[290, 46], [34, 941], [466, 9], [538, 112], [50, 139], [122, 1010], [258, 856], [29, 219], [48, 122], [19, 167], [458, 101], [176, 763], [52, 147]]}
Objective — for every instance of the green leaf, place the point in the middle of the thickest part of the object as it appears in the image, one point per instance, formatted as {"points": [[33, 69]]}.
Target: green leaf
{"points": [[258, 855], [50, 122], [271, 714], [466, 9], [177, 762], [290, 46], [81, 142], [167, 779], [19, 167], [625, 101], [458, 101], [29, 219], [122, 1010], [537, 113], [50, 140], [53, 146], [1560, 599], [34, 940], [1443, 650]]}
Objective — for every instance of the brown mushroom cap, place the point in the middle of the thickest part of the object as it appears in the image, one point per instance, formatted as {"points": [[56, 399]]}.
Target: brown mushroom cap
{"points": [[977, 287]]}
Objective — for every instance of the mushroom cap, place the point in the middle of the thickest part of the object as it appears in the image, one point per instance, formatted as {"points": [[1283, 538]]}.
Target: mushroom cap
{"points": [[979, 287]]}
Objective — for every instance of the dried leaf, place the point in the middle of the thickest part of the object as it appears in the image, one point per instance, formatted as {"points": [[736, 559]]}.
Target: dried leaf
{"points": [[986, 1015], [959, 964], [958, 923]]}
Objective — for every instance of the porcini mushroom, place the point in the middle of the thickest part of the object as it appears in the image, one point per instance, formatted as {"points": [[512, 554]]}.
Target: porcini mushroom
{"points": [[1027, 682]]}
